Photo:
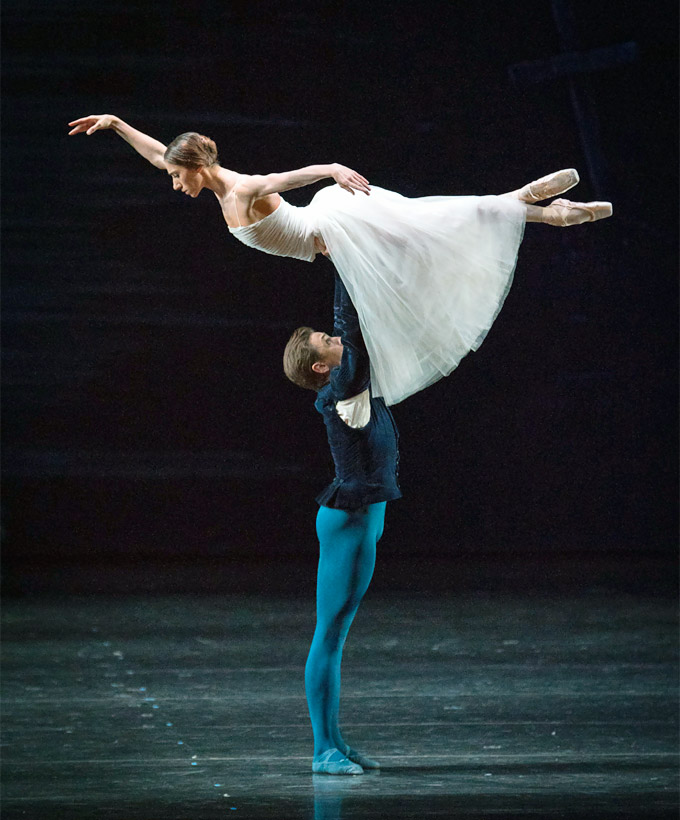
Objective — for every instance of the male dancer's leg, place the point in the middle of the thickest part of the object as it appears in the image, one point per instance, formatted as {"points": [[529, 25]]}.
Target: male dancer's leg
{"points": [[347, 542]]}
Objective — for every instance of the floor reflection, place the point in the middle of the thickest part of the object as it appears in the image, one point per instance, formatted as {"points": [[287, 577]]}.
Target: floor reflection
{"points": [[330, 792]]}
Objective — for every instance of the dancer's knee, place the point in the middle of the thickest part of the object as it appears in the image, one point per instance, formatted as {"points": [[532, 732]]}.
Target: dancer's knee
{"points": [[332, 629]]}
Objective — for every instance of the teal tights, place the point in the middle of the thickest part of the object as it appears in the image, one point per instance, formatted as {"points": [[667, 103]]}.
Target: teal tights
{"points": [[347, 542]]}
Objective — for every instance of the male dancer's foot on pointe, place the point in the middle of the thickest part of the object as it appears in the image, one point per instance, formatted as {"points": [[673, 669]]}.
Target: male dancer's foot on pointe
{"points": [[563, 212], [333, 761], [551, 185]]}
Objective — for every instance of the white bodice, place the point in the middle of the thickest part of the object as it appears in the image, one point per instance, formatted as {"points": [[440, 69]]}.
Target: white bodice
{"points": [[287, 231]]}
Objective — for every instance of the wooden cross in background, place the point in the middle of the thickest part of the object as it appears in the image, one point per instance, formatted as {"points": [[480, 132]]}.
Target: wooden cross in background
{"points": [[570, 63]]}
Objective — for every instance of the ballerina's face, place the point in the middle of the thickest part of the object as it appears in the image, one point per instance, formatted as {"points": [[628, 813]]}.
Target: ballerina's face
{"points": [[329, 349], [186, 180]]}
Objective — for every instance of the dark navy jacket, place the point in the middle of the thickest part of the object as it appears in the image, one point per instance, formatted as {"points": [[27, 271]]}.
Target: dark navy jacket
{"points": [[367, 458]]}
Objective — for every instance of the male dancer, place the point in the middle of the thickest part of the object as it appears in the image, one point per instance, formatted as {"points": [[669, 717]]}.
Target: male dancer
{"points": [[363, 439]]}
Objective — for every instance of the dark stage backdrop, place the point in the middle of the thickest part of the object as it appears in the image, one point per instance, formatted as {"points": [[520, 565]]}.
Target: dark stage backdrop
{"points": [[146, 421]]}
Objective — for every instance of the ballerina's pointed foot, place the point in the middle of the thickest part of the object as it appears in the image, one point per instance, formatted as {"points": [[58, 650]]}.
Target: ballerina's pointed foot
{"points": [[362, 760], [563, 212], [333, 761], [551, 185]]}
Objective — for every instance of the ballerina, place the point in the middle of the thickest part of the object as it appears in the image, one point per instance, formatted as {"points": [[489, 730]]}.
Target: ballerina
{"points": [[427, 275]]}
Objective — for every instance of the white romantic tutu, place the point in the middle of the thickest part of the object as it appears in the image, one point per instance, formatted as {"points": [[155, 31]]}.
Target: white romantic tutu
{"points": [[427, 276]]}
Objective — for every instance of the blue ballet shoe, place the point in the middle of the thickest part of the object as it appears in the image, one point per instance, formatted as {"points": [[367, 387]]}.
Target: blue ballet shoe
{"points": [[362, 760], [333, 761]]}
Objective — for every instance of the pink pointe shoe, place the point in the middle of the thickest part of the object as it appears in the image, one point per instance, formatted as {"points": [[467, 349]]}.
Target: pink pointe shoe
{"points": [[563, 212], [551, 185]]}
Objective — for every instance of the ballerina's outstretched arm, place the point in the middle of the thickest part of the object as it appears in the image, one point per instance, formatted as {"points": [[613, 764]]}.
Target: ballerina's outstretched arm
{"points": [[151, 149], [251, 187], [261, 185]]}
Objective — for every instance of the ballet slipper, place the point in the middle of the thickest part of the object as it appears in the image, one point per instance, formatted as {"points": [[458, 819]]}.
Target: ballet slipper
{"points": [[550, 185], [563, 212], [362, 760], [333, 761]]}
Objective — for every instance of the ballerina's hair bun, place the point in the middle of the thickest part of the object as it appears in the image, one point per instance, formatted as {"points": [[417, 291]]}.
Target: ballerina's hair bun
{"points": [[192, 150]]}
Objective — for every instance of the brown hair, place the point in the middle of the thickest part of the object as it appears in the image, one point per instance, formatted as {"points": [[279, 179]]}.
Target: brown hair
{"points": [[192, 150], [298, 358]]}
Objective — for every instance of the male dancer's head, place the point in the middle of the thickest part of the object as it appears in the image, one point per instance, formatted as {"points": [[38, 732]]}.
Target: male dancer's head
{"points": [[309, 357]]}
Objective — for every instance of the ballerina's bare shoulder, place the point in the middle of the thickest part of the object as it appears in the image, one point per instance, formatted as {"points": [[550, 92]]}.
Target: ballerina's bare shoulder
{"points": [[240, 210]]}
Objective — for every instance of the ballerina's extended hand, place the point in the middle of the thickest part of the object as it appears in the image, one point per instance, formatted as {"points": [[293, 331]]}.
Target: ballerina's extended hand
{"points": [[350, 180], [91, 123]]}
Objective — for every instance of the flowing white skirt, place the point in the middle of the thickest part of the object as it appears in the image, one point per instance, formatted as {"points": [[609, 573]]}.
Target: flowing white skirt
{"points": [[427, 276]]}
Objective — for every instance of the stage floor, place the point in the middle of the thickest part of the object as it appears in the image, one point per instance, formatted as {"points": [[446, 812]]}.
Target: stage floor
{"points": [[478, 705]]}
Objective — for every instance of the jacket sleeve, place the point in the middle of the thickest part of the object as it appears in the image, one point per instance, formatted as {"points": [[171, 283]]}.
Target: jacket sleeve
{"points": [[353, 374]]}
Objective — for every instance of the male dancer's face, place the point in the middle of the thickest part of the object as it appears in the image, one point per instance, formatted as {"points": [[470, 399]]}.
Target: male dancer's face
{"points": [[328, 347]]}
